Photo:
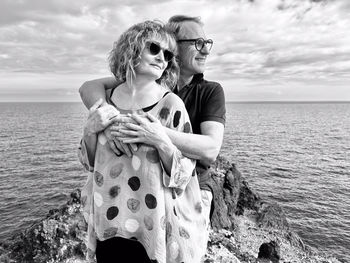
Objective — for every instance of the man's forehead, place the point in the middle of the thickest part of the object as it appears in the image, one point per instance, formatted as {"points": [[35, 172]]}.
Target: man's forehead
{"points": [[189, 30]]}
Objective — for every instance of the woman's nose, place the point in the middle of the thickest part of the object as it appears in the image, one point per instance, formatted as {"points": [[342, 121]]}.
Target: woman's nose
{"points": [[160, 55]]}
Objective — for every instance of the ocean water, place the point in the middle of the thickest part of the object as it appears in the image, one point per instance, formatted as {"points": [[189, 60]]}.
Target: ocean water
{"points": [[295, 154]]}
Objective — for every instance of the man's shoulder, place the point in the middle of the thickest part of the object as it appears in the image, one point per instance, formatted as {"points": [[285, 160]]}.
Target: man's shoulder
{"points": [[210, 87]]}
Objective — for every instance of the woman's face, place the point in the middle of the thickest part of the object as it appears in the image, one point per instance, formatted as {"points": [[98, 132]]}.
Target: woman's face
{"points": [[154, 59]]}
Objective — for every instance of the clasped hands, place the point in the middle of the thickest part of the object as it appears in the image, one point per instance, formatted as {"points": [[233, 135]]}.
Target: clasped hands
{"points": [[125, 131]]}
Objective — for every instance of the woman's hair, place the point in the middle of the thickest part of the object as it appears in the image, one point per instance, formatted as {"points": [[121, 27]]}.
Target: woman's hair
{"points": [[126, 53]]}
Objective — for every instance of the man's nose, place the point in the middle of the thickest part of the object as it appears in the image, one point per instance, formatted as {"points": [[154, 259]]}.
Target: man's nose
{"points": [[205, 50]]}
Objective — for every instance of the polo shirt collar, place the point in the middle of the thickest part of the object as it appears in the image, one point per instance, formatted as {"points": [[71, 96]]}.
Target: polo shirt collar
{"points": [[197, 78]]}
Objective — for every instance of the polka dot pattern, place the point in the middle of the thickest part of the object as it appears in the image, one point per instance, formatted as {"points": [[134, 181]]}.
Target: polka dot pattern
{"points": [[131, 225], [102, 139], [112, 212], [198, 207], [134, 183], [176, 119], [184, 233], [133, 205], [98, 199], [98, 178], [151, 201], [174, 249], [152, 156], [136, 162], [114, 191], [168, 231], [187, 127], [116, 170], [164, 113], [148, 221], [129, 201], [110, 232], [101, 157]]}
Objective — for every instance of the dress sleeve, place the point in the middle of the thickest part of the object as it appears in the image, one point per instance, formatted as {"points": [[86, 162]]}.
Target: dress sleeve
{"points": [[83, 157], [173, 115]]}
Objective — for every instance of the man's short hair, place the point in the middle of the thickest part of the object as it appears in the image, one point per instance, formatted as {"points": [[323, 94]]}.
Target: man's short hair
{"points": [[175, 22]]}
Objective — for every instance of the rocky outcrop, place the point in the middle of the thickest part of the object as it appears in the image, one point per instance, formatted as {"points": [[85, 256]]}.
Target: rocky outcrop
{"points": [[244, 229]]}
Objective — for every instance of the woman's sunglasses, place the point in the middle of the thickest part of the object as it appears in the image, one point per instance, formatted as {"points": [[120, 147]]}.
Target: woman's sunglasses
{"points": [[155, 48]]}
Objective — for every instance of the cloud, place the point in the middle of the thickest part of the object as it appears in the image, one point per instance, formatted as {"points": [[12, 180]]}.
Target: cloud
{"points": [[261, 41]]}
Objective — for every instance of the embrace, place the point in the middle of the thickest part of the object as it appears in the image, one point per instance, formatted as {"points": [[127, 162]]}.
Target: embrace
{"points": [[152, 132]]}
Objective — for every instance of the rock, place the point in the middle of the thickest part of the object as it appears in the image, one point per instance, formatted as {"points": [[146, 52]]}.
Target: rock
{"points": [[272, 216], [60, 236], [270, 251], [225, 184]]}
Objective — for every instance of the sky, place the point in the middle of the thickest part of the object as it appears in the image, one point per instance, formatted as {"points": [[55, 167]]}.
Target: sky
{"points": [[264, 50]]}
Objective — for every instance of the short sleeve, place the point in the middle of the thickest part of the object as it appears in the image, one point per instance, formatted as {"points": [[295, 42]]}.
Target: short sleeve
{"points": [[213, 104]]}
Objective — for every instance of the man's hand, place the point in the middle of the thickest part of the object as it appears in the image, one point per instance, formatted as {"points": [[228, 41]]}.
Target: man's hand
{"points": [[118, 147], [101, 115], [142, 129]]}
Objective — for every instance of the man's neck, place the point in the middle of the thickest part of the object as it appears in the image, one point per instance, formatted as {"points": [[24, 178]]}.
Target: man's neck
{"points": [[184, 80]]}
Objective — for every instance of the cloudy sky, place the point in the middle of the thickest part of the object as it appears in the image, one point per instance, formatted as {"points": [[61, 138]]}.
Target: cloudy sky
{"points": [[263, 50]]}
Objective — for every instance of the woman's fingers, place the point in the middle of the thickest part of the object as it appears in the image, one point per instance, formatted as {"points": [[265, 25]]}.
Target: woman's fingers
{"points": [[140, 119], [132, 140], [151, 117], [125, 133]]}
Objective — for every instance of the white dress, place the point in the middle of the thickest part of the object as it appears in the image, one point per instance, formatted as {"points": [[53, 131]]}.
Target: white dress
{"points": [[135, 198]]}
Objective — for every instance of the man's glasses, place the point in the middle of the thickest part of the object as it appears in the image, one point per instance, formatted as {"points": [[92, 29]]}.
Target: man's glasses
{"points": [[199, 43], [155, 48]]}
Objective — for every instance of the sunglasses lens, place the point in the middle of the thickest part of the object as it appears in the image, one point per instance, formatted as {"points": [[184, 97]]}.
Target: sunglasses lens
{"points": [[168, 55], [154, 49]]}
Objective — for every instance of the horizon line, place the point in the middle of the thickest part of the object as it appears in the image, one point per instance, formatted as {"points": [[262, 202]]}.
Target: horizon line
{"points": [[228, 102]]}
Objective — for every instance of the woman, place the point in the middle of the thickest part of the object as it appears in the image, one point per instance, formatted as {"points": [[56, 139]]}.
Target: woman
{"points": [[146, 208]]}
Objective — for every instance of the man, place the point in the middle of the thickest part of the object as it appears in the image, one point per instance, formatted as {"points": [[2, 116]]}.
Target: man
{"points": [[204, 101]]}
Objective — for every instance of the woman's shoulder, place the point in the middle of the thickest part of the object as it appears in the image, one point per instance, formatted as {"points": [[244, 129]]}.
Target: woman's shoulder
{"points": [[172, 100]]}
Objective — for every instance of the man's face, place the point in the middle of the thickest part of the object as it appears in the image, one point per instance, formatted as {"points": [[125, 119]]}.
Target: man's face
{"points": [[192, 61]]}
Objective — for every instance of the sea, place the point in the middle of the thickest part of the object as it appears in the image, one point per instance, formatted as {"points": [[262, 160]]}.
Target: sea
{"points": [[295, 154]]}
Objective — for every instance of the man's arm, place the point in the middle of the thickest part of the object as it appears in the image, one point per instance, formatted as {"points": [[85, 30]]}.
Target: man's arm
{"points": [[90, 92], [93, 90], [204, 147]]}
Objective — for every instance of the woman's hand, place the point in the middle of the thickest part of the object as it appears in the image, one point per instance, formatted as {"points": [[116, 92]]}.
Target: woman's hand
{"points": [[141, 129]]}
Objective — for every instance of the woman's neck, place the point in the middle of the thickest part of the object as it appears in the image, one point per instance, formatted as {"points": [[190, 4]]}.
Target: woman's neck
{"points": [[139, 94]]}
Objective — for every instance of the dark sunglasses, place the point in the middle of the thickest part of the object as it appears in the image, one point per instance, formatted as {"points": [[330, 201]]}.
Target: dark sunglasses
{"points": [[199, 43], [155, 48]]}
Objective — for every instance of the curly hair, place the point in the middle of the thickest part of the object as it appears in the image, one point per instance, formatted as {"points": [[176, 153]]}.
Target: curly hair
{"points": [[126, 53]]}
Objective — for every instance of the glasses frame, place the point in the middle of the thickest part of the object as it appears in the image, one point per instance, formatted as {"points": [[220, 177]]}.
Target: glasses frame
{"points": [[167, 54], [199, 43]]}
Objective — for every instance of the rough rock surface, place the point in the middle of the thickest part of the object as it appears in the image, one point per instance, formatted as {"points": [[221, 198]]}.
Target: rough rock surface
{"points": [[244, 229]]}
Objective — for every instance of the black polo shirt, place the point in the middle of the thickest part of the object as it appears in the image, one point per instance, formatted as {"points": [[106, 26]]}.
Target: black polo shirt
{"points": [[204, 101]]}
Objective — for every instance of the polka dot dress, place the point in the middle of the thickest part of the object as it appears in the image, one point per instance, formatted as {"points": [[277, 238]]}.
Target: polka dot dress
{"points": [[135, 198]]}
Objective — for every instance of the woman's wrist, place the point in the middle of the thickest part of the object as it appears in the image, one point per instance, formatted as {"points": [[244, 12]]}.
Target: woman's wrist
{"points": [[167, 147], [88, 131]]}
